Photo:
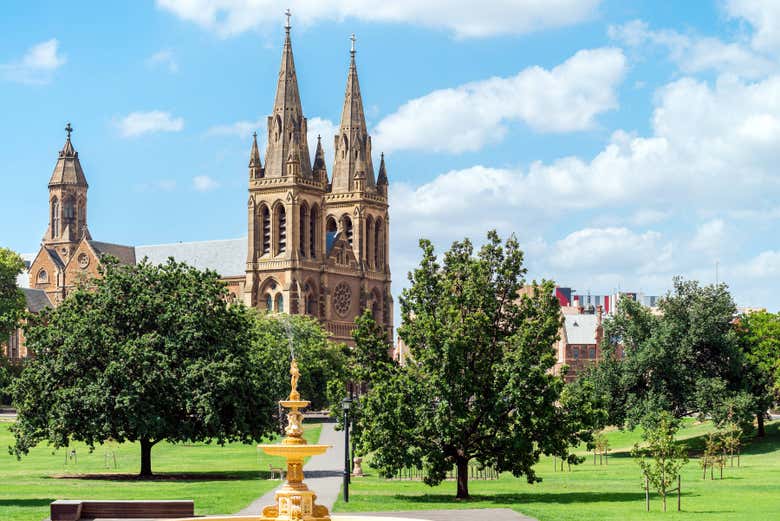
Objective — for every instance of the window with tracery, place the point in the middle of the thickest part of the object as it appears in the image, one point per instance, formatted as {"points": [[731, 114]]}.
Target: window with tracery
{"points": [[266, 216], [281, 217], [279, 308], [342, 299]]}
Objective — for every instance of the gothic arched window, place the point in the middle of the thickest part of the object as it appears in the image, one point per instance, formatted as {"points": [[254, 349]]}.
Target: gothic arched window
{"points": [[302, 221], [266, 224], [370, 258], [379, 244], [70, 211], [281, 229], [348, 228], [313, 232], [279, 308], [311, 305], [331, 231], [55, 217], [344, 146], [269, 304]]}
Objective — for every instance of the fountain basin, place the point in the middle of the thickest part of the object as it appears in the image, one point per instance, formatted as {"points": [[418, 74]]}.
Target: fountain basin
{"points": [[296, 452]]}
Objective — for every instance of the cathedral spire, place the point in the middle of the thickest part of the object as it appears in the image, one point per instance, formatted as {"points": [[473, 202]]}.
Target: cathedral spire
{"points": [[255, 165], [68, 168], [319, 168], [353, 145], [286, 124]]}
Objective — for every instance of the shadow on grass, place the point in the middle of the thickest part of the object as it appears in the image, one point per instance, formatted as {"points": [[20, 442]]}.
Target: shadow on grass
{"points": [[33, 502], [185, 477], [519, 498]]}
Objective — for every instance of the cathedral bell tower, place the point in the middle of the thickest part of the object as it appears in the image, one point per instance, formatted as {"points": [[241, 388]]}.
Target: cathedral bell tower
{"points": [[67, 202]]}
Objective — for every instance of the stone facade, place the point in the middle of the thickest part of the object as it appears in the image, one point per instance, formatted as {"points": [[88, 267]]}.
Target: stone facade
{"points": [[318, 246]]}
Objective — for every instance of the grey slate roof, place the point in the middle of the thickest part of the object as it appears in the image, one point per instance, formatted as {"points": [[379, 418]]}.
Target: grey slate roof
{"points": [[36, 299], [227, 257], [580, 329], [125, 254]]}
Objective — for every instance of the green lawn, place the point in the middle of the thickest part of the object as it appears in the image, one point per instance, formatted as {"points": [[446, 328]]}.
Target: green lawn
{"points": [[219, 479], [602, 493]]}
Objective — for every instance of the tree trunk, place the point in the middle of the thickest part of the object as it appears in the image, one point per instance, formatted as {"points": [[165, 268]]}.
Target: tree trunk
{"points": [[146, 458], [761, 430], [462, 465]]}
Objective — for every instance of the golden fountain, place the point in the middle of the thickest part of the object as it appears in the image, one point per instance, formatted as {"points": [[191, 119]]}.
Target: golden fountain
{"points": [[294, 501]]}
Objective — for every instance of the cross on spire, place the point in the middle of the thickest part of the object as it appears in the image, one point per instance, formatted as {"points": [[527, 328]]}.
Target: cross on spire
{"points": [[68, 129], [288, 14], [353, 39]]}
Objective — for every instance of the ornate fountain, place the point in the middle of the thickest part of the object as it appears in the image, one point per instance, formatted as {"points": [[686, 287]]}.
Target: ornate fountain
{"points": [[294, 501]]}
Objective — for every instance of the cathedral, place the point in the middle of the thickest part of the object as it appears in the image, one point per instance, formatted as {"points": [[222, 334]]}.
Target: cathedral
{"points": [[317, 244]]}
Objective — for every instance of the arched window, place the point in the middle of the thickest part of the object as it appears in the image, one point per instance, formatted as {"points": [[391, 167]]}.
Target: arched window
{"points": [[70, 211], [344, 146], [279, 308], [43, 277], [281, 229], [348, 228], [269, 303], [313, 233], [55, 217], [278, 132], [304, 219], [311, 305], [575, 352], [592, 352], [369, 234], [379, 243], [266, 216], [331, 232]]}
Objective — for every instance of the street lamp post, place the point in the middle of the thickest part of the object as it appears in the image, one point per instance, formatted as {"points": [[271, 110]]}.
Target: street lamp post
{"points": [[345, 404]]}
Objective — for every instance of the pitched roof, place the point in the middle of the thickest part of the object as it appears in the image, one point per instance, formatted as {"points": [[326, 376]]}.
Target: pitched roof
{"points": [[36, 299], [125, 254], [227, 257], [23, 279], [68, 168], [580, 329]]}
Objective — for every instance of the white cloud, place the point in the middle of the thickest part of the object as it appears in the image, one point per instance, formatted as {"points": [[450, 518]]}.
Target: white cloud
{"points": [[694, 54], [710, 237], [764, 16], [609, 249], [164, 59], [140, 123], [38, 64], [462, 17], [465, 118], [764, 265], [204, 183]]}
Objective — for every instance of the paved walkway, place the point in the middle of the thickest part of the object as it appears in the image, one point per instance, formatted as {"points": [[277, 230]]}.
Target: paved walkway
{"points": [[323, 473], [474, 514]]}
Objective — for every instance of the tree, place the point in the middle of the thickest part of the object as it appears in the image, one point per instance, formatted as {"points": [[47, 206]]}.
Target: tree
{"points": [[480, 385], [670, 360], [759, 340], [147, 353], [11, 297], [661, 458], [319, 361]]}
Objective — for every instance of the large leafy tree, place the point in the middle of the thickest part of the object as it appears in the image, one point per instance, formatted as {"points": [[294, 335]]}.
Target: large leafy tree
{"points": [[479, 384], [11, 297], [684, 359], [147, 353], [759, 339]]}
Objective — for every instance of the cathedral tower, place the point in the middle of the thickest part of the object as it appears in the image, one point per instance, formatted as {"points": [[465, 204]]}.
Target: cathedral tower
{"points": [[317, 248], [67, 202]]}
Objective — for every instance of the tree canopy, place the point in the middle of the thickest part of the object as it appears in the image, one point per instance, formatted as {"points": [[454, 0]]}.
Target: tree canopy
{"points": [[685, 359], [479, 384], [11, 297], [146, 353]]}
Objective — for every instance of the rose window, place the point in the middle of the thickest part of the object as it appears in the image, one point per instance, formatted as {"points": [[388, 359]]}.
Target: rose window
{"points": [[342, 298]]}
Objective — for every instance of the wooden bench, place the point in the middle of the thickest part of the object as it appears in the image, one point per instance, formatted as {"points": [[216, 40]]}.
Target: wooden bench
{"points": [[76, 510]]}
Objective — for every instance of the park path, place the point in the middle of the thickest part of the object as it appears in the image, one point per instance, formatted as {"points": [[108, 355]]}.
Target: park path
{"points": [[323, 473]]}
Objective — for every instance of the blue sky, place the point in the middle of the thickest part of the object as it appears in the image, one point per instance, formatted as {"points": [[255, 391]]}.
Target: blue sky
{"points": [[622, 142]]}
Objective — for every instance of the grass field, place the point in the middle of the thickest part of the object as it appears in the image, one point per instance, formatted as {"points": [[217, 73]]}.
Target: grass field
{"points": [[219, 479], [602, 493]]}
